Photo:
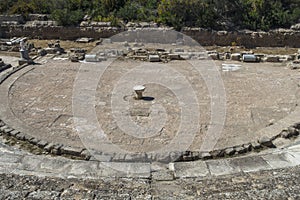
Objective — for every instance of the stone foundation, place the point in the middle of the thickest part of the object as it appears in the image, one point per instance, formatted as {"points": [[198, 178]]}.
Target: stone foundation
{"points": [[273, 38]]}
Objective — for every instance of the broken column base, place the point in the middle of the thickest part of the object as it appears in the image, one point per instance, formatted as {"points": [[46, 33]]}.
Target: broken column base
{"points": [[139, 89]]}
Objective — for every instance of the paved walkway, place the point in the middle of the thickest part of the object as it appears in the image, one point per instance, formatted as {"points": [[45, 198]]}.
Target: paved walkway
{"points": [[271, 175], [19, 162]]}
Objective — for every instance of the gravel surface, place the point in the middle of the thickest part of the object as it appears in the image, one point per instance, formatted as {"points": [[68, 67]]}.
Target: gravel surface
{"points": [[276, 184]]}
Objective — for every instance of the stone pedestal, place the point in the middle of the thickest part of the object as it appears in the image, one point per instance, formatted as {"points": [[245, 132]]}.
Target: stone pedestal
{"points": [[139, 89]]}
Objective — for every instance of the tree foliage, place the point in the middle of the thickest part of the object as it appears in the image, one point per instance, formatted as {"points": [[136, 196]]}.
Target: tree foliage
{"points": [[215, 14]]}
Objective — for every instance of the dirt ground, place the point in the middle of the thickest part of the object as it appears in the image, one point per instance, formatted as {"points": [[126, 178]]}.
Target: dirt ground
{"points": [[257, 95], [89, 46]]}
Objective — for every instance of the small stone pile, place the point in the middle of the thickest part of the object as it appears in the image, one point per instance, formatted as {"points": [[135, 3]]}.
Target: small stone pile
{"points": [[152, 55], [77, 54], [54, 48], [295, 64], [252, 57]]}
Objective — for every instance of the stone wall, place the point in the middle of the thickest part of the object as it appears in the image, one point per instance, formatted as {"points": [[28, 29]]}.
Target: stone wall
{"points": [[12, 18], [274, 38], [56, 32]]}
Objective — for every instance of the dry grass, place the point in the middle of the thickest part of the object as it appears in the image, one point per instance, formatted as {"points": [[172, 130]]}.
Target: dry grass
{"points": [[258, 50], [9, 53], [66, 44]]}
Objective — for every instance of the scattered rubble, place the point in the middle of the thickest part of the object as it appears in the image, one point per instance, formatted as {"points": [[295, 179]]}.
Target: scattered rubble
{"points": [[294, 65], [4, 66], [138, 51], [77, 54], [54, 48]]}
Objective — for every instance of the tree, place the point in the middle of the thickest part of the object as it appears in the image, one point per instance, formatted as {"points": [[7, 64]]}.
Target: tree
{"points": [[23, 7], [179, 13], [67, 17]]}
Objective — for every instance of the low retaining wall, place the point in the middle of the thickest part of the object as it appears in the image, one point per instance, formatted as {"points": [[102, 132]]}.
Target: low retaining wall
{"points": [[56, 32], [274, 38]]}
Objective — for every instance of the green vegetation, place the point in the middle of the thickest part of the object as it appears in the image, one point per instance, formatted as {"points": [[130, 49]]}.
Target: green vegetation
{"points": [[214, 14]]}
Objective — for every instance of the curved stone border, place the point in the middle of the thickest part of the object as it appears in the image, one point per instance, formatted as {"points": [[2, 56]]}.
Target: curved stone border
{"points": [[81, 153]]}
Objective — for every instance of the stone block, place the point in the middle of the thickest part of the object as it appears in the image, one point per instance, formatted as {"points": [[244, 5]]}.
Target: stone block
{"points": [[248, 147], [205, 155], [118, 157], [49, 147], [74, 151], [214, 56], [91, 58], [42, 144], [217, 153], [3, 128], [267, 142], [85, 40], [240, 149], [280, 142], [230, 151], [271, 59], [163, 175], [137, 157], [28, 138], [174, 156], [256, 145], [174, 57], [14, 133], [191, 169], [34, 141], [20, 136], [85, 154], [105, 157], [293, 131], [249, 58], [294, 65], [8, 130], [154, 58]]}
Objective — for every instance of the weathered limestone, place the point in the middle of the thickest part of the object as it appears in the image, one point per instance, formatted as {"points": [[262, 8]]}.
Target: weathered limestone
{"points": [[154, 58], [139, 89], [267, 142], [294, 65], [235, 56], [271, 58], [250, 58], [85, 40], [214, 56]]}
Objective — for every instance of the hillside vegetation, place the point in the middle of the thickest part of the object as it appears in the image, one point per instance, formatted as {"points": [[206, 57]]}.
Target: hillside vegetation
{"points": [[214, 14]]}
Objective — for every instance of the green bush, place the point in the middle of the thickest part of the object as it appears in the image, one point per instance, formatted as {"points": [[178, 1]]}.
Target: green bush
{"points": [[249, 14], [67, 17]]}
